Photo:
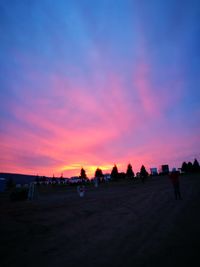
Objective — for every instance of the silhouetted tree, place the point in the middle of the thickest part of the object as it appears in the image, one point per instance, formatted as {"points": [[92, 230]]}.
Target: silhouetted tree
{"points": [[196, 167], [129, 171], [98, 173], [114, 173], [83, 174], [61, 178], [184, 167], [190, 167], [143, 173]]}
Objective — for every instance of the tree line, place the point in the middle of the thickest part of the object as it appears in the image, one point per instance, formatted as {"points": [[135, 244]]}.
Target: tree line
{"points": [[116, 175], [187, 167]]}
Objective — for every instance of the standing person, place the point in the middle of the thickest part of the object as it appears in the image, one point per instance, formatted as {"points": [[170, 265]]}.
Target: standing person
{"points": [[31, 191], [96, 181], [81, 190], [174, 177]]}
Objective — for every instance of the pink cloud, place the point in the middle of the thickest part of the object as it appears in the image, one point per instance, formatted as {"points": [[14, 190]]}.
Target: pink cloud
{"points": [[68, 131], [62, 124]]}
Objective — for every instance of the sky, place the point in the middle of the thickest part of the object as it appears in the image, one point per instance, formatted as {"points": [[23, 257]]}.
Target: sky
{"points": [[90, 84]]}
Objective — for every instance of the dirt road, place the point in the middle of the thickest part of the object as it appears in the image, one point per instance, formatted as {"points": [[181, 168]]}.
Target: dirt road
{"points": [[117, 224]]}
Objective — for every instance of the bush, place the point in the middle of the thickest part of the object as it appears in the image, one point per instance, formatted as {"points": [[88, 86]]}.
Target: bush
{"points": [[19, 194]]}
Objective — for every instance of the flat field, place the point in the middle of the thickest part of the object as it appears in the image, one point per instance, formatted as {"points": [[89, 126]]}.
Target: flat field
{"points": [[116, 224]]}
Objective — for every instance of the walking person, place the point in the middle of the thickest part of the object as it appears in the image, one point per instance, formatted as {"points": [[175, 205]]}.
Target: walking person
{"points": [[174, 177]]}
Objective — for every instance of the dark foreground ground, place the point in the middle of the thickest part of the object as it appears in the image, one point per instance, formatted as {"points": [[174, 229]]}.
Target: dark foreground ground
{"points": [[118, 224]]}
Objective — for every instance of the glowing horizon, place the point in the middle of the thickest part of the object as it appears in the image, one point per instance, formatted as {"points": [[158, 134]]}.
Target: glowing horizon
{"points": [[96, 84]]}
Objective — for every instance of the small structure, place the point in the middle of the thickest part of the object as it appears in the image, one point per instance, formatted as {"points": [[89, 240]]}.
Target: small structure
{"points": [[153, 171], [164, 169]]}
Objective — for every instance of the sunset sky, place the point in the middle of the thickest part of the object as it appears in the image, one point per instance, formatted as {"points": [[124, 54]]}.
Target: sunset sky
{"points": [[93, 83]]}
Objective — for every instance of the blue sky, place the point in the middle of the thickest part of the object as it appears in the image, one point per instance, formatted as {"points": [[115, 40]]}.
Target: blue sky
{"points": [[93, 83]]}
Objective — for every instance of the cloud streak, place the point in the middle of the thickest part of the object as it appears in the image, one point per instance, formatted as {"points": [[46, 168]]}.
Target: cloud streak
{"points": [[78, 94]]}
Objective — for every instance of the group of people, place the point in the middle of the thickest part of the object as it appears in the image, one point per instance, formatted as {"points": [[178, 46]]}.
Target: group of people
{"points": [[174, 177]]}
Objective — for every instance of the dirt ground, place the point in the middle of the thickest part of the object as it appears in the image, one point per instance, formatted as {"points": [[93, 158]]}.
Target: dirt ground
{"points": [[116, 224]]}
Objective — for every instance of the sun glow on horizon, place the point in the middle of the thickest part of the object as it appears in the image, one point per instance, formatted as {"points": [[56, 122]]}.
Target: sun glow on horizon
{"points": [[90, 169], [87, 86]]}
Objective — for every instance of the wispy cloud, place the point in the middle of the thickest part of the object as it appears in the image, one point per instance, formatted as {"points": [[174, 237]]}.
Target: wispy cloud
{"points": [[85, 89]]}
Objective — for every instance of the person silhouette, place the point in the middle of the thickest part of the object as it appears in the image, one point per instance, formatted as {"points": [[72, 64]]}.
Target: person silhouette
{"points": [[81, 190], [174, 177]]}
